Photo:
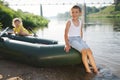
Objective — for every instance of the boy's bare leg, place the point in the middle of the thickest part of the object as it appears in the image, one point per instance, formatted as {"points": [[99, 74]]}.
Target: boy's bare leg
{"points": [[85, 60], [92, 61]]}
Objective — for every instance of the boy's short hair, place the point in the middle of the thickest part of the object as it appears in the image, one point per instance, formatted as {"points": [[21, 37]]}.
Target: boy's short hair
{"points": [[76, 7]]}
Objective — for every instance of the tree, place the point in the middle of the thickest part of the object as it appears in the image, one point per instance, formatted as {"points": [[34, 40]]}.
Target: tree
{"points": [[29, 19], [117, 4], [116, 1]]}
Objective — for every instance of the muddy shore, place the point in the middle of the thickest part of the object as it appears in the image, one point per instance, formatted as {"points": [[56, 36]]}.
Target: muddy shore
{"points": [[10, 70]]}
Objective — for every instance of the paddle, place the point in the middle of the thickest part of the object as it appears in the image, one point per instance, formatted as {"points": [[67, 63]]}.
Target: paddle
{"points": [[4, 31], [32, 31]]}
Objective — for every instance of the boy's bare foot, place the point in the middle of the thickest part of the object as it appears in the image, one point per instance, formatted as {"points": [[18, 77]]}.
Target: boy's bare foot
{"points": [[88, 71], [96, 71]]}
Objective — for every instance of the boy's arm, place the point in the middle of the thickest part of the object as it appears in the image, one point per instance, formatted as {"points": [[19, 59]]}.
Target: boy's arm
{"points": [[66, 33], [67, 46], [81, 31]]}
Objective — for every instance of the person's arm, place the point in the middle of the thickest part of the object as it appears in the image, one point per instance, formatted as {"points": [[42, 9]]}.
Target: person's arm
{"points": [[14, 31], [24, 33], [67, 46], [81, 30]]}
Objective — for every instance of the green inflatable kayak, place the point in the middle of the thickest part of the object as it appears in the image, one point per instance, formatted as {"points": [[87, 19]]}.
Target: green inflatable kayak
{"points": [[30, 39], [37, 54]]}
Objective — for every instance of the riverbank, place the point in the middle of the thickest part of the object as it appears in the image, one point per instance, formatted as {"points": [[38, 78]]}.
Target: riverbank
{"points": [[15, 71]]}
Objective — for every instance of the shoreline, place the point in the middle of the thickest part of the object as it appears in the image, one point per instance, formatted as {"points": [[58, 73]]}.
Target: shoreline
{"points": [[10, 70]]}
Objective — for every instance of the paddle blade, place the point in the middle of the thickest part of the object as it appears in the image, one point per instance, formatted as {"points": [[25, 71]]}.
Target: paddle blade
{"points": [[4, 31]]}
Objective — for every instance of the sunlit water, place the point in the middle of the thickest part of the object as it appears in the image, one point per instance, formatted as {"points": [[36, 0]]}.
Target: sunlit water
{"points": [[103, 37]]}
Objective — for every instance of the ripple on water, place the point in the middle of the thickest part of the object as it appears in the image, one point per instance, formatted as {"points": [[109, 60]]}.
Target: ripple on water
{"points": [[105, 74]]}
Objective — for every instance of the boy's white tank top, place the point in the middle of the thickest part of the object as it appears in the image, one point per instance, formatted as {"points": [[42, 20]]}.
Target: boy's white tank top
{"points": [[74, 30]]}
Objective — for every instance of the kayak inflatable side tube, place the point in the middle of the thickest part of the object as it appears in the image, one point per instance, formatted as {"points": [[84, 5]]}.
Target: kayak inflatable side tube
{"points": [[40, 55], [31, 39]]}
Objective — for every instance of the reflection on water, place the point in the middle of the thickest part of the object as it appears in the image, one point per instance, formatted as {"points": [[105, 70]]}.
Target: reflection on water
{"points": [[102, 35], [113, 23]]}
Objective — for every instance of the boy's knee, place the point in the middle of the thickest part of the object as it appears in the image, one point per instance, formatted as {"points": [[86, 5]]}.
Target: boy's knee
{"points": [[83, 52], [89, 51]]}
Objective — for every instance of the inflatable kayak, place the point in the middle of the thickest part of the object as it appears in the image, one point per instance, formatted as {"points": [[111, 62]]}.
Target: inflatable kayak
{"points": [[30, 39], [37, 54]]}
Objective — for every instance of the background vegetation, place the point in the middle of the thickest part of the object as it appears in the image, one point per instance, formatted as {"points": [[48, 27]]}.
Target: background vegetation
{"points": [[112, 11], [31, 20], [89, 10]]}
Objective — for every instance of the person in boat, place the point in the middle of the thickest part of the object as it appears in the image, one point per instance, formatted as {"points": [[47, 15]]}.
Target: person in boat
{"points": [[74, 38], [19, 28]]}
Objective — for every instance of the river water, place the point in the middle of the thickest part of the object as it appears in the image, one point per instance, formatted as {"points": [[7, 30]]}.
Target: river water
{"points": [[103, 37]]}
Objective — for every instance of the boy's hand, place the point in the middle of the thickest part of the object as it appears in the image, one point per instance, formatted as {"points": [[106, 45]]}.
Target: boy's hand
{"points": [[67, 48]]}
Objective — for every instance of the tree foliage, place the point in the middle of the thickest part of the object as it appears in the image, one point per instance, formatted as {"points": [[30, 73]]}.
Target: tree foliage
{"points": [[29, 19], [117, 7], [89, 10]]}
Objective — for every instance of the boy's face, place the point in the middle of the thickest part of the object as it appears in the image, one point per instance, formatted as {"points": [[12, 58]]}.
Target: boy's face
{"points": [[75, 13], [17, 23]]}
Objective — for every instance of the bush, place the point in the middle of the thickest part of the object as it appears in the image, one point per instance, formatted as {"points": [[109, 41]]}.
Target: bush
{"points": [[0, 25], [7, 14]]}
